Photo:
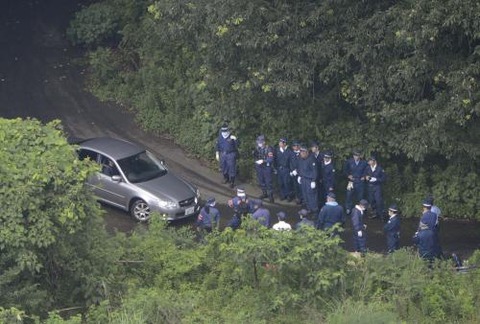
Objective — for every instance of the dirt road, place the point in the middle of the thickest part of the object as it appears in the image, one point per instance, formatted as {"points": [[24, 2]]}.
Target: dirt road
{"points": [[39, 79]]}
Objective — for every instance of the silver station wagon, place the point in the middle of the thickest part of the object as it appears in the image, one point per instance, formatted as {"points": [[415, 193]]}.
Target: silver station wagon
{"points": [[134, 180]]}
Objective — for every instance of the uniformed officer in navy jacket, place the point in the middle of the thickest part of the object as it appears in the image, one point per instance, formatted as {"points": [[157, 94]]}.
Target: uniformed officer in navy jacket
{"points": [[227, 154], [263, 157], [328, 173], [297, 190], [375, 177], [392, 229], [282, 160], [354, 170], [307, 175]]}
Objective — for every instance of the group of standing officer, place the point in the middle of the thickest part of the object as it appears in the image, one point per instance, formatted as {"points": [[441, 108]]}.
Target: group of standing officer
{"points": [[307, 175]]}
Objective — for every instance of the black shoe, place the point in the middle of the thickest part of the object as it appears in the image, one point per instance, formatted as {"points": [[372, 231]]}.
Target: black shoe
{"points": [[232, 185], [271, 198], [264, 195]]}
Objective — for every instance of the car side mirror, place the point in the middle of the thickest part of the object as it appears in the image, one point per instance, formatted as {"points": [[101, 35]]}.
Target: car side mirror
{"points": [[116, 178]]}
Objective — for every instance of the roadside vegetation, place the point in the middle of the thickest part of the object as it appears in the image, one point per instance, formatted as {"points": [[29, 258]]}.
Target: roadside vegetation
{"points": [[58, 265], [397, 78]]}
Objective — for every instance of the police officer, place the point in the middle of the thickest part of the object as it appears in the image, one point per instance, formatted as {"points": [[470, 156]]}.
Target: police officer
{"points": [[282, 161], [209, 217], [354, 170], [375, 177], [260, 213], [392, 229], [436, 210], [227, 153], [330, 214], [425, 238], [297, 189], [359, 234], [307, 175], [318, 155], [304, 221], [328, 173], [264, 157], [241, 206]]}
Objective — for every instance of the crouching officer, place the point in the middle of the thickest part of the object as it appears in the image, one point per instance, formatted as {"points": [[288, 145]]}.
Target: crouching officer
{"points": [[227, 154], [330, 214], [264, 157], [241, 206], [208, 218], [392, 229]]}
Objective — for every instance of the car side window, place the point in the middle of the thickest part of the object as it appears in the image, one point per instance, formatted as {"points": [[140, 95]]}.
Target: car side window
{"points": [[87, 154], [108, 167]]}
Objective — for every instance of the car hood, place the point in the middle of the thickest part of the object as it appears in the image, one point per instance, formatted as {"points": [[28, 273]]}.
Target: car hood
{"points": [[169, 187]]}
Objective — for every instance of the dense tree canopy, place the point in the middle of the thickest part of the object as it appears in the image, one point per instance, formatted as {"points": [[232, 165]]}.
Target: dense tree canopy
{"points": [[398, 78]]}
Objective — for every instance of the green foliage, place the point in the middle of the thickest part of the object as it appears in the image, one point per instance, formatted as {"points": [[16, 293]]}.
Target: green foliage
{"points": [[398, 78], [53, 248]]}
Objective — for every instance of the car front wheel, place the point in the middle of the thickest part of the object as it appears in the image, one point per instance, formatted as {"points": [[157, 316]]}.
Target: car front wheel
{"points": [[140, 210]]}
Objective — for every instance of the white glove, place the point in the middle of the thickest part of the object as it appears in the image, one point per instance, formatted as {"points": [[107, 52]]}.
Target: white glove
{"points": [[350, 185], [299, 180], [373, 179], [259, 162], [294, 173], [217, 156], [233, 137], [359, 234], [313, 185]]}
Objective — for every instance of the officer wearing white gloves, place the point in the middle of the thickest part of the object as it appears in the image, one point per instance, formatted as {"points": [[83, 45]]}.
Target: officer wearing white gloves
{"points": [[359, 234]]}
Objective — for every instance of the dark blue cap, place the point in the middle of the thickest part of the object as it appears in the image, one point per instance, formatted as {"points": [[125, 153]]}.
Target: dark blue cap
{"points": [[224, 128], [261, 139], [211, 201], [328, 154], [314, 143], [283, 139], [393, 207], [331, 195], [295, 143]]}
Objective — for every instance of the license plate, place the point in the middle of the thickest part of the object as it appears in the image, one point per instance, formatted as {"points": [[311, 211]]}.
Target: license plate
{"points": [[190, 210]]}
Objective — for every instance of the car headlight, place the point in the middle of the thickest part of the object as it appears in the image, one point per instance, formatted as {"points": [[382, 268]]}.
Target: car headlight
{"points": [[167, 204]]}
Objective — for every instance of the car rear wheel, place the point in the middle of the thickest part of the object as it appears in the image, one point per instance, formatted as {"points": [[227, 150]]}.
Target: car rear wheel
{"points": [[140, 210]]}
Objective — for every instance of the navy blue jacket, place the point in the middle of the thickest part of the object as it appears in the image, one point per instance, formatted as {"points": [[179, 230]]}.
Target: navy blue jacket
{"points": [[328, 175], [307, 168], [392, 231], [226, 145], [429, 218], [210, 219], [282, 160], [262, 215], [330, 214], [378, 173], [357, 171], [266, 154], [294, 161], [357, 220]]}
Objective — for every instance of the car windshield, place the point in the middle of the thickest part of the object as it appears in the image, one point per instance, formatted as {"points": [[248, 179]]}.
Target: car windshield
{"points": [[142, 167]]}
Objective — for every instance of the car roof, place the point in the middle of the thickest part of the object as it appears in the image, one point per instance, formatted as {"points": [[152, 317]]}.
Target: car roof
{"points": [[112, 147]]}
